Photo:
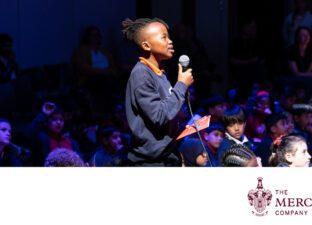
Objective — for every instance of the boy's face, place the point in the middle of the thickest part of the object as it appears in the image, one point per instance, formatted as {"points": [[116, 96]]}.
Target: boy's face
{"points": [[156, 40], [5, 133], [56, 123], [280, 128], [115, 142], [218, 110], [236, 130], [303, 120], [214, 138]]}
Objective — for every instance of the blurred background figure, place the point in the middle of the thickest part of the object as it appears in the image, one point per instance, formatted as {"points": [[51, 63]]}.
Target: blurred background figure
{"points": [[63, 158], [255, 125], [111, 151], [8, 73], [247, 62], [300, 16], [299, 55], [94, 69], [11, 154], [48, 133], [8, 65]]}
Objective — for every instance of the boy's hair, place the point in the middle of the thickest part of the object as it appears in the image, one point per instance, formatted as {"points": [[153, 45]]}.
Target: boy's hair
{"points": [[214, 126], [105, 132], [237, 155], [274, 118], [2, 120], [62, 157], [131, 29], [57, 111], [299, 109], [233, 115], [286, 144]]}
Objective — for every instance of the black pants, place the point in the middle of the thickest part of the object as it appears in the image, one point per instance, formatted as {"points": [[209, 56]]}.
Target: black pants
{"points": [[169, 158]]}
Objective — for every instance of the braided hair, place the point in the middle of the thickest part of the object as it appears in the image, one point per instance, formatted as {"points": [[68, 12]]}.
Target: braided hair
{"points": [[287, 144], [131, 29], [237, 155]]}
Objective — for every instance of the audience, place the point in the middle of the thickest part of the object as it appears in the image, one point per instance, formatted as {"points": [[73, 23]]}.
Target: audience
{"points": [[48, 133], [251, 115]]}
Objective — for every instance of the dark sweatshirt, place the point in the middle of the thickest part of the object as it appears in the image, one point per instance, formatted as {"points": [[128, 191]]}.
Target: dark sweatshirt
{"points": [[151, 107]]}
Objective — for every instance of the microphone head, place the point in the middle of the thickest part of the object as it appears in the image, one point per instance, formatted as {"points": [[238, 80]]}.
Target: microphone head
{"points": [[184, 60]]}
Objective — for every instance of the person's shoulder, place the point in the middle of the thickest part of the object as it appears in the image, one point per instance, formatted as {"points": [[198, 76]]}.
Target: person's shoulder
{"points": [[141, 73], [101, 152], [140, 67], [226, 143]]}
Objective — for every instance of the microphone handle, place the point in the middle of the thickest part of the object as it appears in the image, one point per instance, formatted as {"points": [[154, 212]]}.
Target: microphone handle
{"points": [[184, 68]]}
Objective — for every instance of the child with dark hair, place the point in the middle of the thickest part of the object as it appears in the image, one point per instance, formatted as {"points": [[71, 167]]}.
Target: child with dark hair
{"points": [[48, 133], [240, 156], [11, 154], [61, 157], [277, 126], [290, 151], [214, 106], [255, 125], [8, 66], [302, 117], [213, 137], [234, 121], [193, 153], [151, 103], [111, 151]]}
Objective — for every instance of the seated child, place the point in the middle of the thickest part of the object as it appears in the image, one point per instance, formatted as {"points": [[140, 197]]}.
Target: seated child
{"points": [[234, 121]]}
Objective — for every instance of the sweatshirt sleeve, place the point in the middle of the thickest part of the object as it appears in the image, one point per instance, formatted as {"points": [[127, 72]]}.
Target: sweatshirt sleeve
{"points": [[160, 111], [39, 123]]}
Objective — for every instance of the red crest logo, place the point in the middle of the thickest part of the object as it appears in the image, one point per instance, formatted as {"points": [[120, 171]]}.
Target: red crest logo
{"points": [[259, 198]]}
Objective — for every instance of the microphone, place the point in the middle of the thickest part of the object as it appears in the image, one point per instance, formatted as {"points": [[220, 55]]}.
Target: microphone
{"points": [[184, 60]]}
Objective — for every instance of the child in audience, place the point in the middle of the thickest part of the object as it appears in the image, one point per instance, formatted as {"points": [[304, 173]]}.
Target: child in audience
{"points": [[48, 133], [240, 156], [11, 154], [277, 126], [290, 151], [111, 151], [213, 136], [234, 121]]}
